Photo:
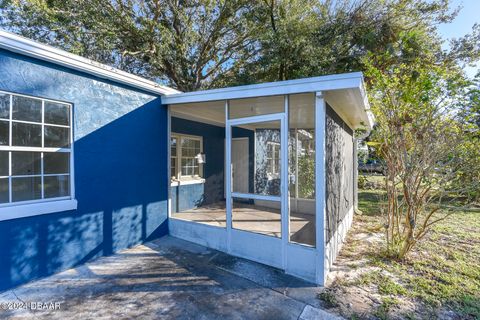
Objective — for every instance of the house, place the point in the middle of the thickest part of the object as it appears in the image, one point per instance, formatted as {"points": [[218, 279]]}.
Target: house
{"points": [[94, 160]]}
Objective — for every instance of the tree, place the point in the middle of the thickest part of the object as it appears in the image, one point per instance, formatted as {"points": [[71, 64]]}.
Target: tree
{"points": [[421, 136], [469, 115], [309, 38], [186, 44], [197, 44]]}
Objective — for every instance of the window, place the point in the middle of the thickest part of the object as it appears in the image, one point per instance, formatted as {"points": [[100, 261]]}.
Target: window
{"points": [[35, 150], [273, 159], [173, 161], [185, 152]]}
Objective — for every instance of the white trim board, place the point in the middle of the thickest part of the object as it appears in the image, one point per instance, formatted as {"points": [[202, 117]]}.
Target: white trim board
{"points": [[18, 44], [35, 209]]}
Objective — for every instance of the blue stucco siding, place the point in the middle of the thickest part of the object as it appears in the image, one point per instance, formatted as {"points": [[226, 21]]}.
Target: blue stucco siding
{"points": [[188, 196], [121, 177], [193, 195]]}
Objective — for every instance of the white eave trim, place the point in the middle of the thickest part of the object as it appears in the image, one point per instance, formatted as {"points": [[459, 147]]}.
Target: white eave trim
{"points": [[323, 83], [27, 47]]}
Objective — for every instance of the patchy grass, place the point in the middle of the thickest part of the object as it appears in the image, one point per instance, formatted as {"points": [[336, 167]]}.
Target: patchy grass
{"points": [[328, 298], [383, 310], [439, 280]]}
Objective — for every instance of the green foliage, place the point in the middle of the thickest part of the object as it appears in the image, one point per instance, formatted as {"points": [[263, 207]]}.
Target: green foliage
{"points": [[469, 115], [306, 175], [362, 181], [328, 298]]}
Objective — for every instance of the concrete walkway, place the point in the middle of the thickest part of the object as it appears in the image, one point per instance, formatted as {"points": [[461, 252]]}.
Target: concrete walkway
{"points": [[166, 279]]}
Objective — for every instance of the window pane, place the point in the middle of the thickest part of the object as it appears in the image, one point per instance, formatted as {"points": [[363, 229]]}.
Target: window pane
{"points": [[187, 143], [57, 137], [26, 135], [3, 190], [26, 109], [196, 146], [173, 172], [3, 163], [189, 166], [4, 130], [185, 171], [4, 106], [24, 189], [56, 162], [57, 186], [173, 144], [25, 163], [57, 113]]}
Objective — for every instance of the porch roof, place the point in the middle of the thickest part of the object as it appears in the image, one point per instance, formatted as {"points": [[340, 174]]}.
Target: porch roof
{"points": [[344, 92]]}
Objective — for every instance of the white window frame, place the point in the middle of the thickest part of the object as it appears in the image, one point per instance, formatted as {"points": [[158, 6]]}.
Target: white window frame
{"points": [[20, 209], [275, 167], [179, 178]]}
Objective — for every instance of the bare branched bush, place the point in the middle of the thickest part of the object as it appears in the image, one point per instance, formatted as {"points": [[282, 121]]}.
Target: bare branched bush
{"points": [[420, 138]]}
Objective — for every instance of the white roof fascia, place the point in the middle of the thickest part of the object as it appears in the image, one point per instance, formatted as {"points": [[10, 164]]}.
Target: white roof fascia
{"points": [[18, 44], [323, 83], [370, 116]]}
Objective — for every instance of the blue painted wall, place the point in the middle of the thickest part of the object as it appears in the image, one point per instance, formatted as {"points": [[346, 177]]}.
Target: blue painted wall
{"points": [[190, 196], [121, 176]]}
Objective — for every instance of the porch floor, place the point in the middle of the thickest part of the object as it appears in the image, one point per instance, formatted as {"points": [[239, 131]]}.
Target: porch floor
{"points": [[254, 218]]}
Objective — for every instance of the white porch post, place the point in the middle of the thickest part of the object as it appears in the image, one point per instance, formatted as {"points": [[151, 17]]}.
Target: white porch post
{"points": [[169, 149], [284, 183], [228, 177], [320, 187]]}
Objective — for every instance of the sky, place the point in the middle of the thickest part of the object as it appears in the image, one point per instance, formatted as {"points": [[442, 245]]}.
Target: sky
{"points": [[463, 23]]}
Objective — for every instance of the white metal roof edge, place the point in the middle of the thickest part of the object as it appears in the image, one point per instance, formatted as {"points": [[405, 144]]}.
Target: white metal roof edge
{"points": [[329, 82], [370, 121], [343, 81], [18, 44]]}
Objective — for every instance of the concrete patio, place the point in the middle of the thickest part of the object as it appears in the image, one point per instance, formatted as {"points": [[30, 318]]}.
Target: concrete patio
{"points": [[168, 279]]}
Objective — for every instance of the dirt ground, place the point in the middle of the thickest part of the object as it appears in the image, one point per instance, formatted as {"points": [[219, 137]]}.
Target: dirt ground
{"points": [[440, 280]]}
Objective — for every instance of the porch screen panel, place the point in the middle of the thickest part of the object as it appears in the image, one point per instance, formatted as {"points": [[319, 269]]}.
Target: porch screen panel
{"points": [[260, 171], [339, 171], [301, 168], [259, 210]]}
